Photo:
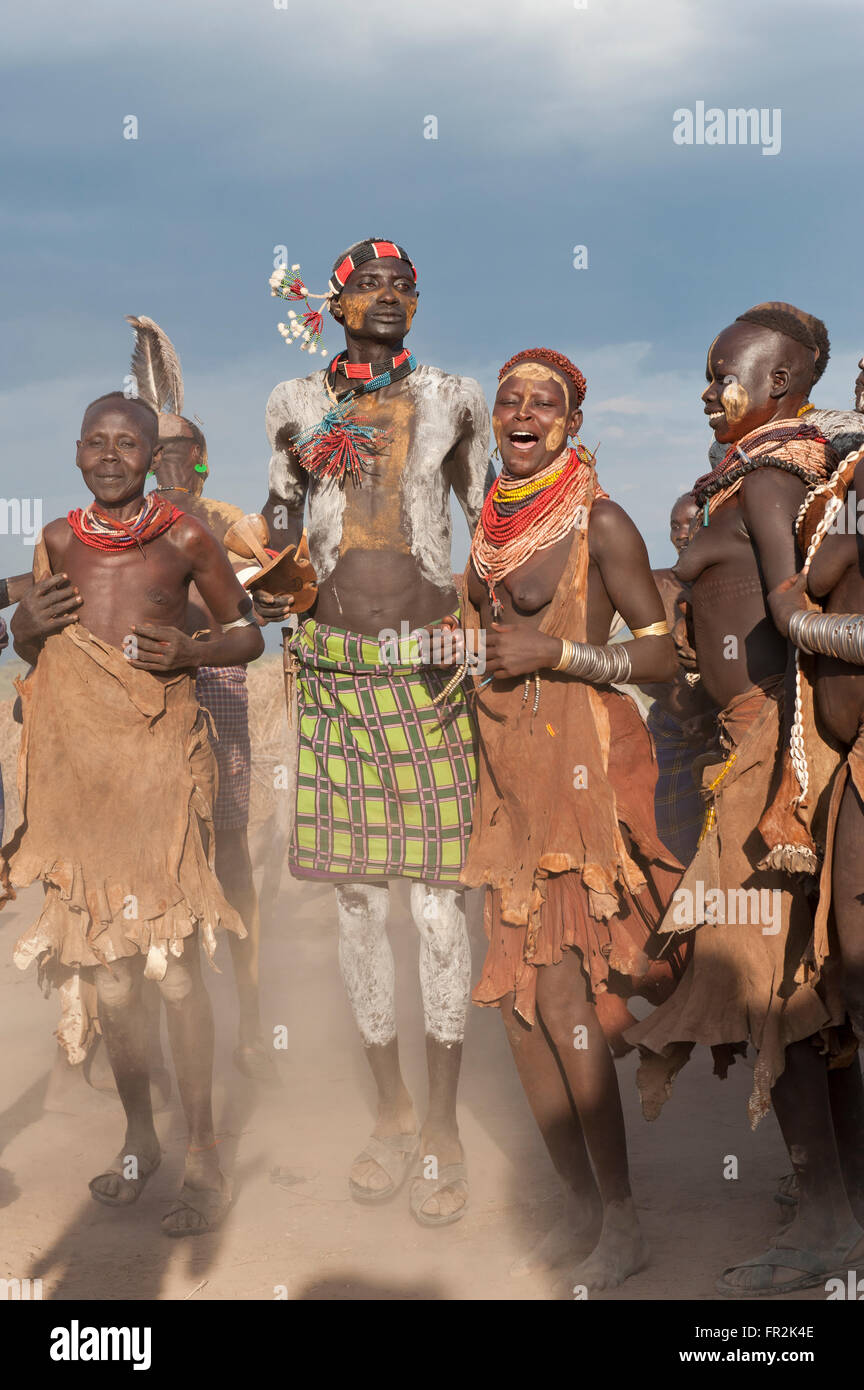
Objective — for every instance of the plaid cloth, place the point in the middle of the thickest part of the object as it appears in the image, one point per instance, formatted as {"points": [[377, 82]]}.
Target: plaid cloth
{"points": [[385, 782], [678, 806], [222, 691]]}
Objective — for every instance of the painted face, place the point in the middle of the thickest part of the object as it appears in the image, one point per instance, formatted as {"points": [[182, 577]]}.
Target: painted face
{"points": [[114, 453], [532, 417], [859, 387], [379, 301], [684, 513], [746, 387]]}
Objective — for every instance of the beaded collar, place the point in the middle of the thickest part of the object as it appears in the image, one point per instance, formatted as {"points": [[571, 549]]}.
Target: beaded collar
{"points": [[342, 445]]}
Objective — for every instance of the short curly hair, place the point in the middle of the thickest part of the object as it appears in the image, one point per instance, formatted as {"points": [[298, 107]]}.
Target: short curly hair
{"points": [[558, 362], [796, 324]]}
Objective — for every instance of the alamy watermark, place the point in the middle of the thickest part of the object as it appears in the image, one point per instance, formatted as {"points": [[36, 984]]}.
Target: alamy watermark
{"points": [[21, 516], [20, 1290], [737, 126], [757, 907], [442, 646], [849, 519]]}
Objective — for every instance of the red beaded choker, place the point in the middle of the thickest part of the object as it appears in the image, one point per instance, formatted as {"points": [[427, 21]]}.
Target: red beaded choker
{"points": [[103, 532], [364, 371]]}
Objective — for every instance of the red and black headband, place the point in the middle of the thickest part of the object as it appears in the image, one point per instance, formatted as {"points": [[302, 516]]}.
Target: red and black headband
{"points": [[371, 250]]}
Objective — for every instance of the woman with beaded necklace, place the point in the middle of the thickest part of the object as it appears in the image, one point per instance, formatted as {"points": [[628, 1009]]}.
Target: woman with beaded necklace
{"points": [[564, 835]]}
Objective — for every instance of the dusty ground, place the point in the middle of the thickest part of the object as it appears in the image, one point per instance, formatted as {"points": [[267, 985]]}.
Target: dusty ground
{"points": [[307, 1235]]}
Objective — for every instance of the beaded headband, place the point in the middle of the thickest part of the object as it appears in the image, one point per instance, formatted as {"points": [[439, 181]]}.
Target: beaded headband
{"points": [[309, 326], [557, 362], [371, 250]]}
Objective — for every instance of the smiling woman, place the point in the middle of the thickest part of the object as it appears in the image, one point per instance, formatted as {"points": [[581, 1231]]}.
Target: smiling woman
{"points": [[564, 836]]}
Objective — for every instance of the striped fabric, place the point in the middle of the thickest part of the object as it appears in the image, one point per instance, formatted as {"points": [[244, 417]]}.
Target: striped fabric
{"points": [[222, 691], [678, 805], [385, 781]]}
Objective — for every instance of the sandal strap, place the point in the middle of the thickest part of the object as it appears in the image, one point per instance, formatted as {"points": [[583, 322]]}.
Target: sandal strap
{"points": [[806, 1261], [448, 1176], [391, 1153]]}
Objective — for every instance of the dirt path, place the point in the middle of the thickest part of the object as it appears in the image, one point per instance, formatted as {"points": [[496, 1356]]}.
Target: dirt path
{"points": [[306, 1236]]}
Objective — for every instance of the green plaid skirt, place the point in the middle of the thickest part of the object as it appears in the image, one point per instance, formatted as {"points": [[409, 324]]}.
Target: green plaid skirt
{"points": [[386, 779]]}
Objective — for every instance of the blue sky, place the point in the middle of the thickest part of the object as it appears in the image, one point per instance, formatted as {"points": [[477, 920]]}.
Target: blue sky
{"points": [[304, 126]]}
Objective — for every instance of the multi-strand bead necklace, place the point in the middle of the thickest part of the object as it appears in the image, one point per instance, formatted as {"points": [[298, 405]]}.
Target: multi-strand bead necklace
{"points": [[103, 532], [342, 444], [521, 516]]}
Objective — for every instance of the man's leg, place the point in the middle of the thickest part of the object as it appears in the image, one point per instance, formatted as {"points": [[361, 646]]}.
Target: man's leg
{"points": [[124, 1027], [366, 962], [824, 1217], [190, 1030], [548, 1094], [570, 1020], [234, 872], [846, 1094], [845, 1087], [445, 985]]}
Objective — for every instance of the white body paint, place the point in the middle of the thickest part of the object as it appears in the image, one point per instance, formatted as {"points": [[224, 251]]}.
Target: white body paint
{"points": [[366, 960], [443, 405]]}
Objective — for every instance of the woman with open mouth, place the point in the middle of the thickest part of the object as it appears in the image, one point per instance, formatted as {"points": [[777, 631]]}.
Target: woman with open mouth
{"points": [[564, 834]]}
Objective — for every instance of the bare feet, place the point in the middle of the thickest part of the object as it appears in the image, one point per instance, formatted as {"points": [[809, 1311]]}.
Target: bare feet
{"points": [[574, 1235], [439, 1147], [619, 1252], [123, 1183], [392, 1120]]}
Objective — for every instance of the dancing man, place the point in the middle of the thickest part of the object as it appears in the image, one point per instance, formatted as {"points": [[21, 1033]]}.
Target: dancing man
{"points": [[372, 447], [117, 778], [181, 471]]}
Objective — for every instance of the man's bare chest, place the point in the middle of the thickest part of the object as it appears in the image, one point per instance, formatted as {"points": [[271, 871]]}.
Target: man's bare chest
{"points": [[152, 581]]}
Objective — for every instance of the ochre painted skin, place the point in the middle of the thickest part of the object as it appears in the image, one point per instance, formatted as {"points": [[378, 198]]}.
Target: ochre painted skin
{"points": [[356, 305], [536, 371], [373, 515], [735, 401], [555, 437], [529, 372]]}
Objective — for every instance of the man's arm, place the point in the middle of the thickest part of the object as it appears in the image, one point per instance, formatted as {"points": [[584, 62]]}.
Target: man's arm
{"points": [[770, 501], [469, 468], [283, 510], [286, 501], [12, 590]]}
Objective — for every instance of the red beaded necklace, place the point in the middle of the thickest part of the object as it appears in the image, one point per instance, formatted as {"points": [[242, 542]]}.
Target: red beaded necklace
{"points": [[100, 531], [521, 516], [364, 371]]}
